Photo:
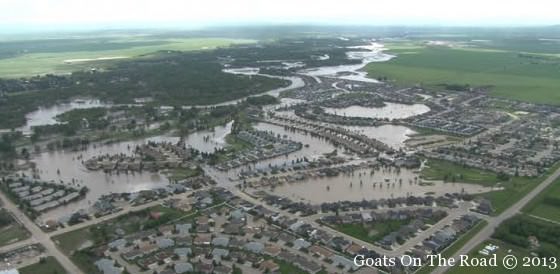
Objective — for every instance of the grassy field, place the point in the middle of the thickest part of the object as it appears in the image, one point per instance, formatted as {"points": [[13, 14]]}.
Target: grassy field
{"points": [[371, 232], [35, 63], [544, 205], [451, 172], [527, 77], [48, 266], [513, 189], [10, 230], [12, 233], [183, 173], [502, 251]]}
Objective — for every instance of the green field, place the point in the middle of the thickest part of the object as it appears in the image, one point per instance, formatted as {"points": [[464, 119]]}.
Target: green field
{"points": [[371, 232], [451, 172], [48, 265], [12, 233], [56, 62], [502, 251], [10, 230], [546, 204], [527, 77]]}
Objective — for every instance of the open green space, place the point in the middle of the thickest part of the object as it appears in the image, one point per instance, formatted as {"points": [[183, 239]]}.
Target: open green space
{"points": [[531, 77], [47, 265], [70, 55], [10, 230], [184, 173], [502, 251], [13, 233], [371, 232], [450, 172], [512, 188], [547, 203]]}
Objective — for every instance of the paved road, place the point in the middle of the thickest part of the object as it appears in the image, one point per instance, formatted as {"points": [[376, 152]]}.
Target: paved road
{"points": [[494, 222], [41, 237]]}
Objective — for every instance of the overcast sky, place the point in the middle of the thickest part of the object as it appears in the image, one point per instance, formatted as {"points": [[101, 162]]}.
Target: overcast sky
{"points": [[194, 13]]}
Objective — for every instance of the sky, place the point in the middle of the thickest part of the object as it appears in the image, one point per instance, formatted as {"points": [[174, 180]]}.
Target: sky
{"points": [[39, 14]]}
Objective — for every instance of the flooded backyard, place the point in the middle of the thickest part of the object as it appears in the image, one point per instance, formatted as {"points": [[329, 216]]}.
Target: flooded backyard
{"points": [[380, 185]]}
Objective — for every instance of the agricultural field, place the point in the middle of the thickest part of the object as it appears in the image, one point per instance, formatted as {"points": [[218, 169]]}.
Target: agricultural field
{"points": [[61, 58], [510, 73]]}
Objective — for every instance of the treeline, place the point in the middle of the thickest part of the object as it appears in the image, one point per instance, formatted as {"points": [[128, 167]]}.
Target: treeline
{"points": [[262, 100], [169, 78], [517, 230]]}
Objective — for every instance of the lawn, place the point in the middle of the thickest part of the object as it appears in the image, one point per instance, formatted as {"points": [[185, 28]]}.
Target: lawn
{"points": [[10, 230], [526, 77], [48, 265], [546, 205], [35, 63], [502, 251], [183, 173], [371, 232], [12, 233]]}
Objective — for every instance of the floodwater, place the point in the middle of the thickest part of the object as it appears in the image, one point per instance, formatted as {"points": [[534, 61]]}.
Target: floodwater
{"points": [[69, 163], [333, 189], [312, 148], [371, 53], [389, 111], [392, 135], [209, 140], [295, 82], [46, 115]]}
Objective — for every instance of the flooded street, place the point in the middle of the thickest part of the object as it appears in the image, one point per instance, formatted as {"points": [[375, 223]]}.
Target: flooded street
{"points": [[380, 185], [389, 111]]}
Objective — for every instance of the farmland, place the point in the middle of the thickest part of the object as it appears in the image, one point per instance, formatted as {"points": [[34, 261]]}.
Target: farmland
{"points": [[92, 52], [531, 77]]}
